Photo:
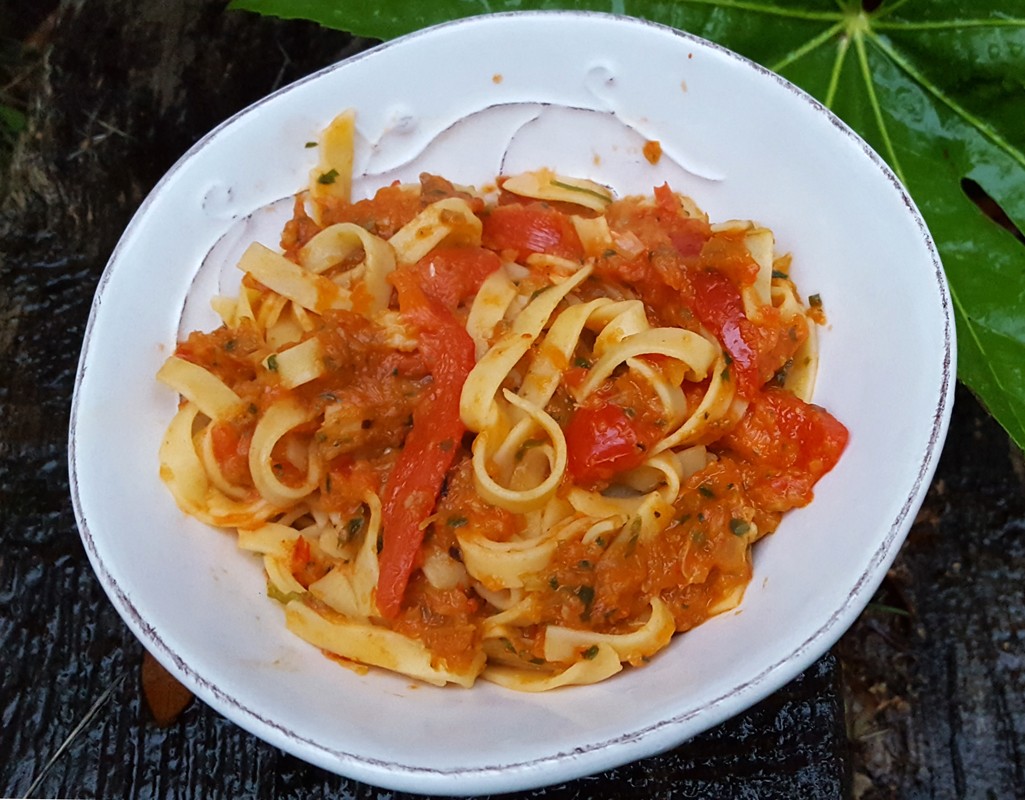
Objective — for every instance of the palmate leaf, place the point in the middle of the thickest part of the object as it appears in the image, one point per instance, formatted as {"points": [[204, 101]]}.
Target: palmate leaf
{"points": [[937, 87]]}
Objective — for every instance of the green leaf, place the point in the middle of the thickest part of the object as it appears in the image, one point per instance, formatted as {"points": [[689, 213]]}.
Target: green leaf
{"points": [[12, 119], [935, 86]]}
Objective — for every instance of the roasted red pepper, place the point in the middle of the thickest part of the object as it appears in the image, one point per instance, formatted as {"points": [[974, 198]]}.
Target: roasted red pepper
{"points": [[430, 447]]}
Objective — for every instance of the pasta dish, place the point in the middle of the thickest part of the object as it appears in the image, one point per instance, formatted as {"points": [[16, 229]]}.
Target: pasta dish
{"points": [[524, 433]]}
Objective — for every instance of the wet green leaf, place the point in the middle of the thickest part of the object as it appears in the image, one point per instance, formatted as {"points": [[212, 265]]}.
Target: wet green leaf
{"points": [[935, 86]]}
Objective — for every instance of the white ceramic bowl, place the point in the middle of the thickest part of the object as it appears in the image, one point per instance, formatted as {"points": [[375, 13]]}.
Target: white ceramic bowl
{"points": [[580, 93]]}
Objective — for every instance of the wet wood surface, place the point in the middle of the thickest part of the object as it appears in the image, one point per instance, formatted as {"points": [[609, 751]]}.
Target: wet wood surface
{"points": [[923, 698]]}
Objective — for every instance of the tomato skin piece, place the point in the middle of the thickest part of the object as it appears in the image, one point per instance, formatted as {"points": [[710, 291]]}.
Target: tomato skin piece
{"points": [[719, 306], [602, 441], [412, 489], [452, 275], [791, 442], [533, 228]]}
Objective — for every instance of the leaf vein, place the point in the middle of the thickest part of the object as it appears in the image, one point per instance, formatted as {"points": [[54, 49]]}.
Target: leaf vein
{"points": [[948, 24], [811, 45], [936, 92], [877, 111]]}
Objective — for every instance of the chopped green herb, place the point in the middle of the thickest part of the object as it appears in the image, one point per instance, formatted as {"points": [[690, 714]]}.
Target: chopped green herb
{"points": [[586, 595], [781, 275], [583, 363], [457, 522], [274, 593], [815, 301], [308, 145], [739, 526], [354, 525], [590, 652], [272, 362], [727, 358], [328, 177], [584, 564], [706, 490], [553, 582]]}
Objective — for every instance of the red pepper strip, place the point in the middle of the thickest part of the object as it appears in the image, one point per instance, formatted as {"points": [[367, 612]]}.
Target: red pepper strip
{"points": [[431, 446]]}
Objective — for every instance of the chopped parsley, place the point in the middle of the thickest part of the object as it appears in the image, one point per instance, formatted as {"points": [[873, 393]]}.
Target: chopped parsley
{"points": [[586, 595], [739, 526], [327, 178]]}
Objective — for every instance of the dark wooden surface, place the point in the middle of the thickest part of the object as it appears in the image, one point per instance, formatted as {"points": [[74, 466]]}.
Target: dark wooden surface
{"points": [[931, 676]]}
